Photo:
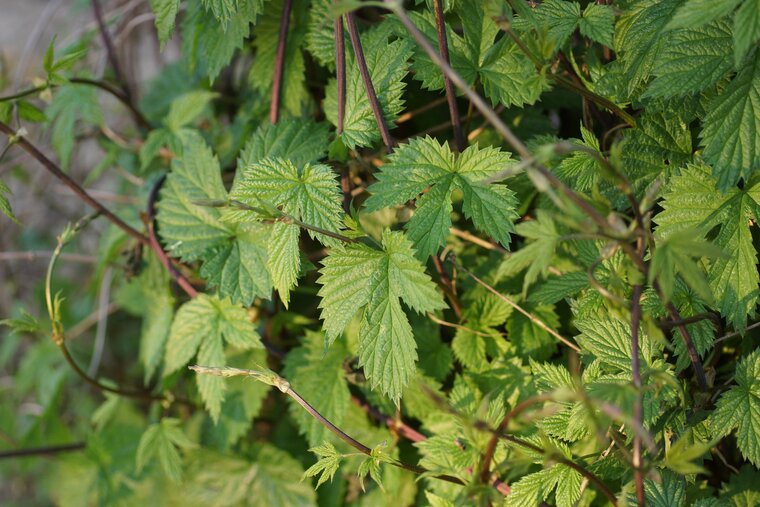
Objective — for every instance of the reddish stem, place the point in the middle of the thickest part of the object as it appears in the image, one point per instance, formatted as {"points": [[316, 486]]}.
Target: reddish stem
{"points": [[451, 97]]}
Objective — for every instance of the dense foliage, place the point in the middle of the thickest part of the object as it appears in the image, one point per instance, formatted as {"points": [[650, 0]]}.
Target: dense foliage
{"points": [[527, 277]]}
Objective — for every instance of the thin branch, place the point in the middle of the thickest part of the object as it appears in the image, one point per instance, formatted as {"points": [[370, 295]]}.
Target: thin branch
{"points": [[183, 282], [485, 427], [141, 121], [401, 428], [58, 333], [467, 236], [446, 323], [737, 333], [31, 255], [279, 62], [271, 378], [374, 103], [42, 451], [638, 410], [53, 168], [443, 48], [485, 464], [696, 362], [110, 51], [428, 106], [340, 68], [514, 305]]}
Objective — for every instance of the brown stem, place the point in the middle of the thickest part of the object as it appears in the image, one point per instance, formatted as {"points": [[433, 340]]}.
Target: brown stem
{"points": [[443, 48], [141, 121], [340, 69], [42, 451], [110, 51], [374, 103], [485, 464], [638, 407], [687, 340], [53, 168], [183, 282], [279, 62]]}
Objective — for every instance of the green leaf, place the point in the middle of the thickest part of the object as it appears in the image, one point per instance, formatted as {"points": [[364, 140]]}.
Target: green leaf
{"points": [[598, 23], [199, 327], [536, 255], [509, 77], [71, 103], [234, 256], [309, 193], [669, 491], [187, 107], [5, 204], [640, 37], [387, 67], [294, 94], [298, 140], [731, 129], [693, 201], [560, 18], [739, 409], [320, 35], [166, 13], [319, 377], [423, 163], [746, 29], [356, 277], [327, 465], [238, 268], [207, 44], [187, 228], [271, 479], [695, 60], [609, 340], [696, 13], [160, 441], [675, 255]]}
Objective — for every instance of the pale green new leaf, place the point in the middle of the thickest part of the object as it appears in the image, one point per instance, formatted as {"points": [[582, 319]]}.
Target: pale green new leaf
{"points": [[731, 129], [319, 377], [387, 64], [166, 13], [200, 326], [355, 277], [693, 201], [694, 60], [160, 441], [327, 465], [739, 409], [71, 103], [187, 107], [423, 163]]}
